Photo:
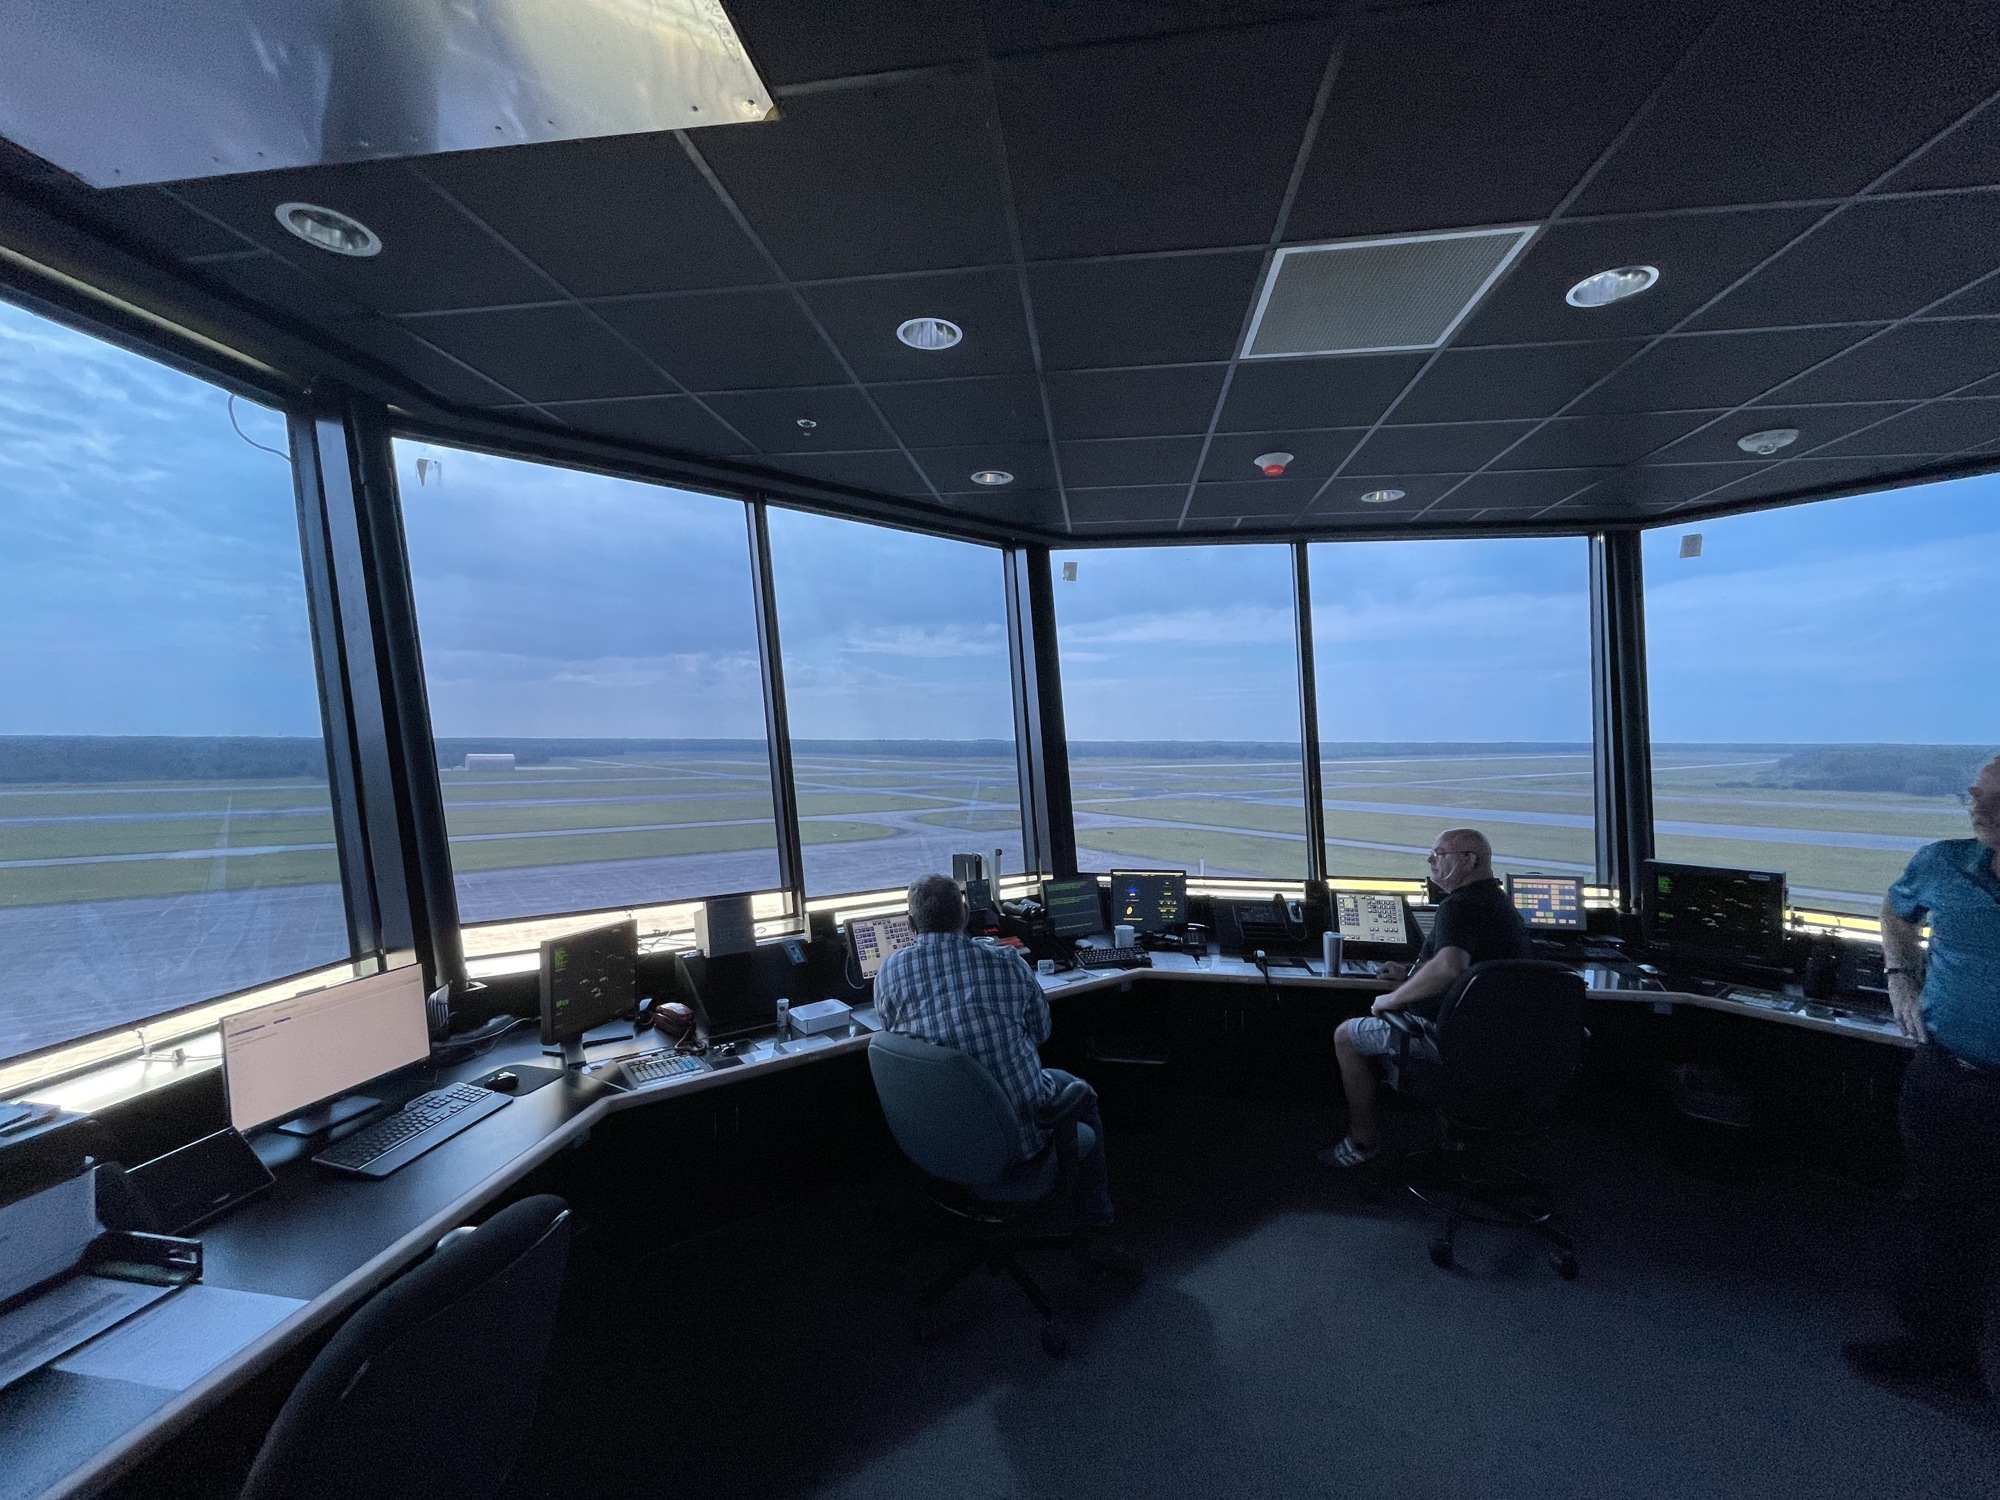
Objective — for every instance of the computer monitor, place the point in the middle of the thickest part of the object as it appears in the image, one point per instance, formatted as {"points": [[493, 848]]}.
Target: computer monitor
{"points": [[588, 978], [1149, 900], [1548, 903], [285, 1057], [875, 938], [1075, 906], [1374, 917], [1702, 912]]}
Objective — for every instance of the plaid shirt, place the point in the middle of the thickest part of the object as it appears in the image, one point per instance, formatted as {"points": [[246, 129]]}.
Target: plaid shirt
{"points": [[981, 999]]}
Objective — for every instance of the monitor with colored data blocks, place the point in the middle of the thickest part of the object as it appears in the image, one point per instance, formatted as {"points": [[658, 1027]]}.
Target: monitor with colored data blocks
{"points": [[875, 938], [1371, 917], [1548, 903]]}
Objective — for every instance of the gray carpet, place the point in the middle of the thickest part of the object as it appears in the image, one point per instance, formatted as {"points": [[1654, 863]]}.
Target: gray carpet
{"points": [[1292, 1339]]}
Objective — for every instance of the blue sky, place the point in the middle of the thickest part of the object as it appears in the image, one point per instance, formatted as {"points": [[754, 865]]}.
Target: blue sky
{"points": [[150, 584]]}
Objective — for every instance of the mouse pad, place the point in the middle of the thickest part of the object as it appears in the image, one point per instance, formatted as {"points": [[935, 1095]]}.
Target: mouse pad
{"points": [[531, 1077]]}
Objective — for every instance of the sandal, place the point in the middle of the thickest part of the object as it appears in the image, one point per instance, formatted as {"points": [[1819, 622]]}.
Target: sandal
{"points": [[1349, 1154]]}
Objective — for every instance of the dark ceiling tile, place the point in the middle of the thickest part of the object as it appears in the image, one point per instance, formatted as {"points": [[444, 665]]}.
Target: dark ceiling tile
{"points": [[887, 473], [1968, 157], [1661, 484], [1940, 428], [153, 217], [793, 44], [1452, 448], [1691, 373], [1600, 442], [1012, 506], [1141, 503], [1315, 455], [658, 421], [1979, 300], [1451, 115], [1526, 490], [893, 177], [1268, 395], [1143, 402], [1815, 424], [432, 255], [605, 217], [952, 468], [1842, 273], [1155, 145], [947, 413], [283, 286], [1777, 106], [1697, 255], [1170, 310], [1283, 498], [1343, 495], [1476, 384], [1806, 475], [725, 341], [1902, 364], [447, 378], [545, 353], [1126, 461], [841, 416], [863, 317]]}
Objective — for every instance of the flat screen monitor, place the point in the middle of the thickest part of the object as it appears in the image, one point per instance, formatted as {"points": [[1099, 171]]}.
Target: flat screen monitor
{"points": [[281, 1058], [1371, 917], [875, 938], [1548, 903], [588, 978], [1075, 907], [1706, 912], [1149, 900]]}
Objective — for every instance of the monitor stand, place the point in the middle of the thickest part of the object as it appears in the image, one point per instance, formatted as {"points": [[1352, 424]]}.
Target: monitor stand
{"points": [[336, 1112], [571, 1051]]}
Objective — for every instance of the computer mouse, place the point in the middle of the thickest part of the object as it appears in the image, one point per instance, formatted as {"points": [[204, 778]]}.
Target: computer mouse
{"points": [[504, 1082]]}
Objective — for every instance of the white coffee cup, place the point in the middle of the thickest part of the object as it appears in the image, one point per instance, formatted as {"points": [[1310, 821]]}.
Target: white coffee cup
{"points": [[1122, 935]]}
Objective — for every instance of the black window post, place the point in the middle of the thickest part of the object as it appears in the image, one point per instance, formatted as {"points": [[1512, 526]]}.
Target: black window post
{"points": [[777, 722], [1309, 765], [1623, 744], [1041, 745]]}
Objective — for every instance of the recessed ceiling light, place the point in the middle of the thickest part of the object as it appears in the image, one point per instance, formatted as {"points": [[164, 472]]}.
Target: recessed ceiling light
{"points": [[930, 333], [1765, 443], [991, 476], [1381, 497], [1611, 286], [329, 229], [807, 424]]}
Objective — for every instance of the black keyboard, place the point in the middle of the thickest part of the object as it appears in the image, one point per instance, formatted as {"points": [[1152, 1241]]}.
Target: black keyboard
{"points": [[426, 1121], [1113, 958], [652, 1067]]}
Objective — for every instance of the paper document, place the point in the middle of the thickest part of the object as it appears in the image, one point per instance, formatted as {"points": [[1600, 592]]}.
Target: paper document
{"points": [[65, 1316], [180, 1341]]}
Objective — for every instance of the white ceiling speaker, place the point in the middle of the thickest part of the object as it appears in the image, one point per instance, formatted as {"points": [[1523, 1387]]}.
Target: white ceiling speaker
{"points": [[329, 229], [1381, 497], [1765, 443], [1607, 287], [930, 334]]}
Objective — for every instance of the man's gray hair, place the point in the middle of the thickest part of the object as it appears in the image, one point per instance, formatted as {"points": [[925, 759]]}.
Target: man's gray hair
{"points": [[936, 904]]}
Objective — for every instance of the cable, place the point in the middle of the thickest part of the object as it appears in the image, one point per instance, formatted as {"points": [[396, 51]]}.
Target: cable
{"points": [[263, 447]]}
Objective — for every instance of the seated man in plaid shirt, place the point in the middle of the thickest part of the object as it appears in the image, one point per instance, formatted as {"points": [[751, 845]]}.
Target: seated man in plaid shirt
{"points": [[982, 999]]}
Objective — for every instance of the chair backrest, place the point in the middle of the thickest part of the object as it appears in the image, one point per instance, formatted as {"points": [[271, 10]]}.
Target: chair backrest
{"points": [[944, 1109], [1510, 1036], [428, 1391]]}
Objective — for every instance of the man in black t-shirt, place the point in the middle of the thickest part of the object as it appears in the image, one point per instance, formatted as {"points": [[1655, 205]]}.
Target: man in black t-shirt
{"points": [[1476, 923]]}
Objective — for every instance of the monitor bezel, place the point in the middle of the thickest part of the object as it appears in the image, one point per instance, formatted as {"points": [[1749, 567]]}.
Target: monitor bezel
{"points": [[550, 1036], [1116, 920], [1649, 892], [1582, 922], [1097, 891]]}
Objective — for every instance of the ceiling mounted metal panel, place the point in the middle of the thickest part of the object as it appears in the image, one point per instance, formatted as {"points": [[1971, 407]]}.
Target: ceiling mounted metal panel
{"points": [[1373, 296], [125, 92]]}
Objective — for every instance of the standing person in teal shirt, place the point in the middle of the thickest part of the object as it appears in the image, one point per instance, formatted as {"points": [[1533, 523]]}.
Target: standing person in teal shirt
{"points": [[1948, 1001]]}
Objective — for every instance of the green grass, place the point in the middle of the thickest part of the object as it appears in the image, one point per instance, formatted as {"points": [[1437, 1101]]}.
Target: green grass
{"points": [[66, 840], [997, 821], [588, 848], [1186, 848], [64, 884]]}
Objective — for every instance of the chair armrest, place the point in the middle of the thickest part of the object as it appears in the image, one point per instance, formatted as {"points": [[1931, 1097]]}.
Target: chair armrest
{"points": [[1403, 1022], [1075, 1098]]}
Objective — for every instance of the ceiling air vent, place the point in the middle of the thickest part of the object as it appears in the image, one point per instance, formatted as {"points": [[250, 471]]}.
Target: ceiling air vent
{"points": [[1370, 296]]}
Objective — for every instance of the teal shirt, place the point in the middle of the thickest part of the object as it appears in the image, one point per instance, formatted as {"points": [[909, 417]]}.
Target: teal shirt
{"points": [[1951, 885]]}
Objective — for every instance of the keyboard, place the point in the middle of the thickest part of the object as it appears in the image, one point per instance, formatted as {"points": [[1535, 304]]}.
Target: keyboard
{"points": [[426, 1121], [655, 1067], [1113, 958]]}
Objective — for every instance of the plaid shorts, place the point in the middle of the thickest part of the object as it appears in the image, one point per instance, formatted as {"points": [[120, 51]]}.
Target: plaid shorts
{"points": [[1375, 1037]]}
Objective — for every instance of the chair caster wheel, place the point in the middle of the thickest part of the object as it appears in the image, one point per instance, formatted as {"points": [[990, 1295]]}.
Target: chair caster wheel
{"points": [[1441, 1254], [1564, 1263], [1054, 1345]]}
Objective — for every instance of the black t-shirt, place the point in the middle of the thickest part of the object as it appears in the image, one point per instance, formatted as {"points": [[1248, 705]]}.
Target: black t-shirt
{"points": [[1480, 919]]}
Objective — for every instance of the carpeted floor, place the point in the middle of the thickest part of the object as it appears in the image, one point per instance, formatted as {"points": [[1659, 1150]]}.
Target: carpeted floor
{"points": [[1292, 1339]]}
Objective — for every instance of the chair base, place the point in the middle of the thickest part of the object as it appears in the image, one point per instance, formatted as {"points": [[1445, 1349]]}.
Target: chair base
{"points": [[1459, 1184], [993, 1245]]}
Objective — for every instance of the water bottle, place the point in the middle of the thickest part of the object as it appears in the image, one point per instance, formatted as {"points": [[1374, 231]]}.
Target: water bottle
{"points": [[784, 1019]]}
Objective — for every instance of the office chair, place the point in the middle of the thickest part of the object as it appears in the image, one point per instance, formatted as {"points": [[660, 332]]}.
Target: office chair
{"points": [[1509, 1038], [955, 1125], [428, 1391]]}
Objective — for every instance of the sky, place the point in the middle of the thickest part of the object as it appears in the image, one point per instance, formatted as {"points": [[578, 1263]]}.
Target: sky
{"points": [[150, 583]]}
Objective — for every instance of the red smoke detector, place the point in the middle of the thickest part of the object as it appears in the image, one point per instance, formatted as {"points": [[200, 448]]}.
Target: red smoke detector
{"points": [[1273, 464]]}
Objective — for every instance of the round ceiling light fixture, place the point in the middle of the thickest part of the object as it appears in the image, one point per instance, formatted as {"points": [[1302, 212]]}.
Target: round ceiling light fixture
{"points": [[329, 229], [991, 476], [1607, 287], [1769, 441], [1272, 464], [930, 334], [1381, 497]]}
